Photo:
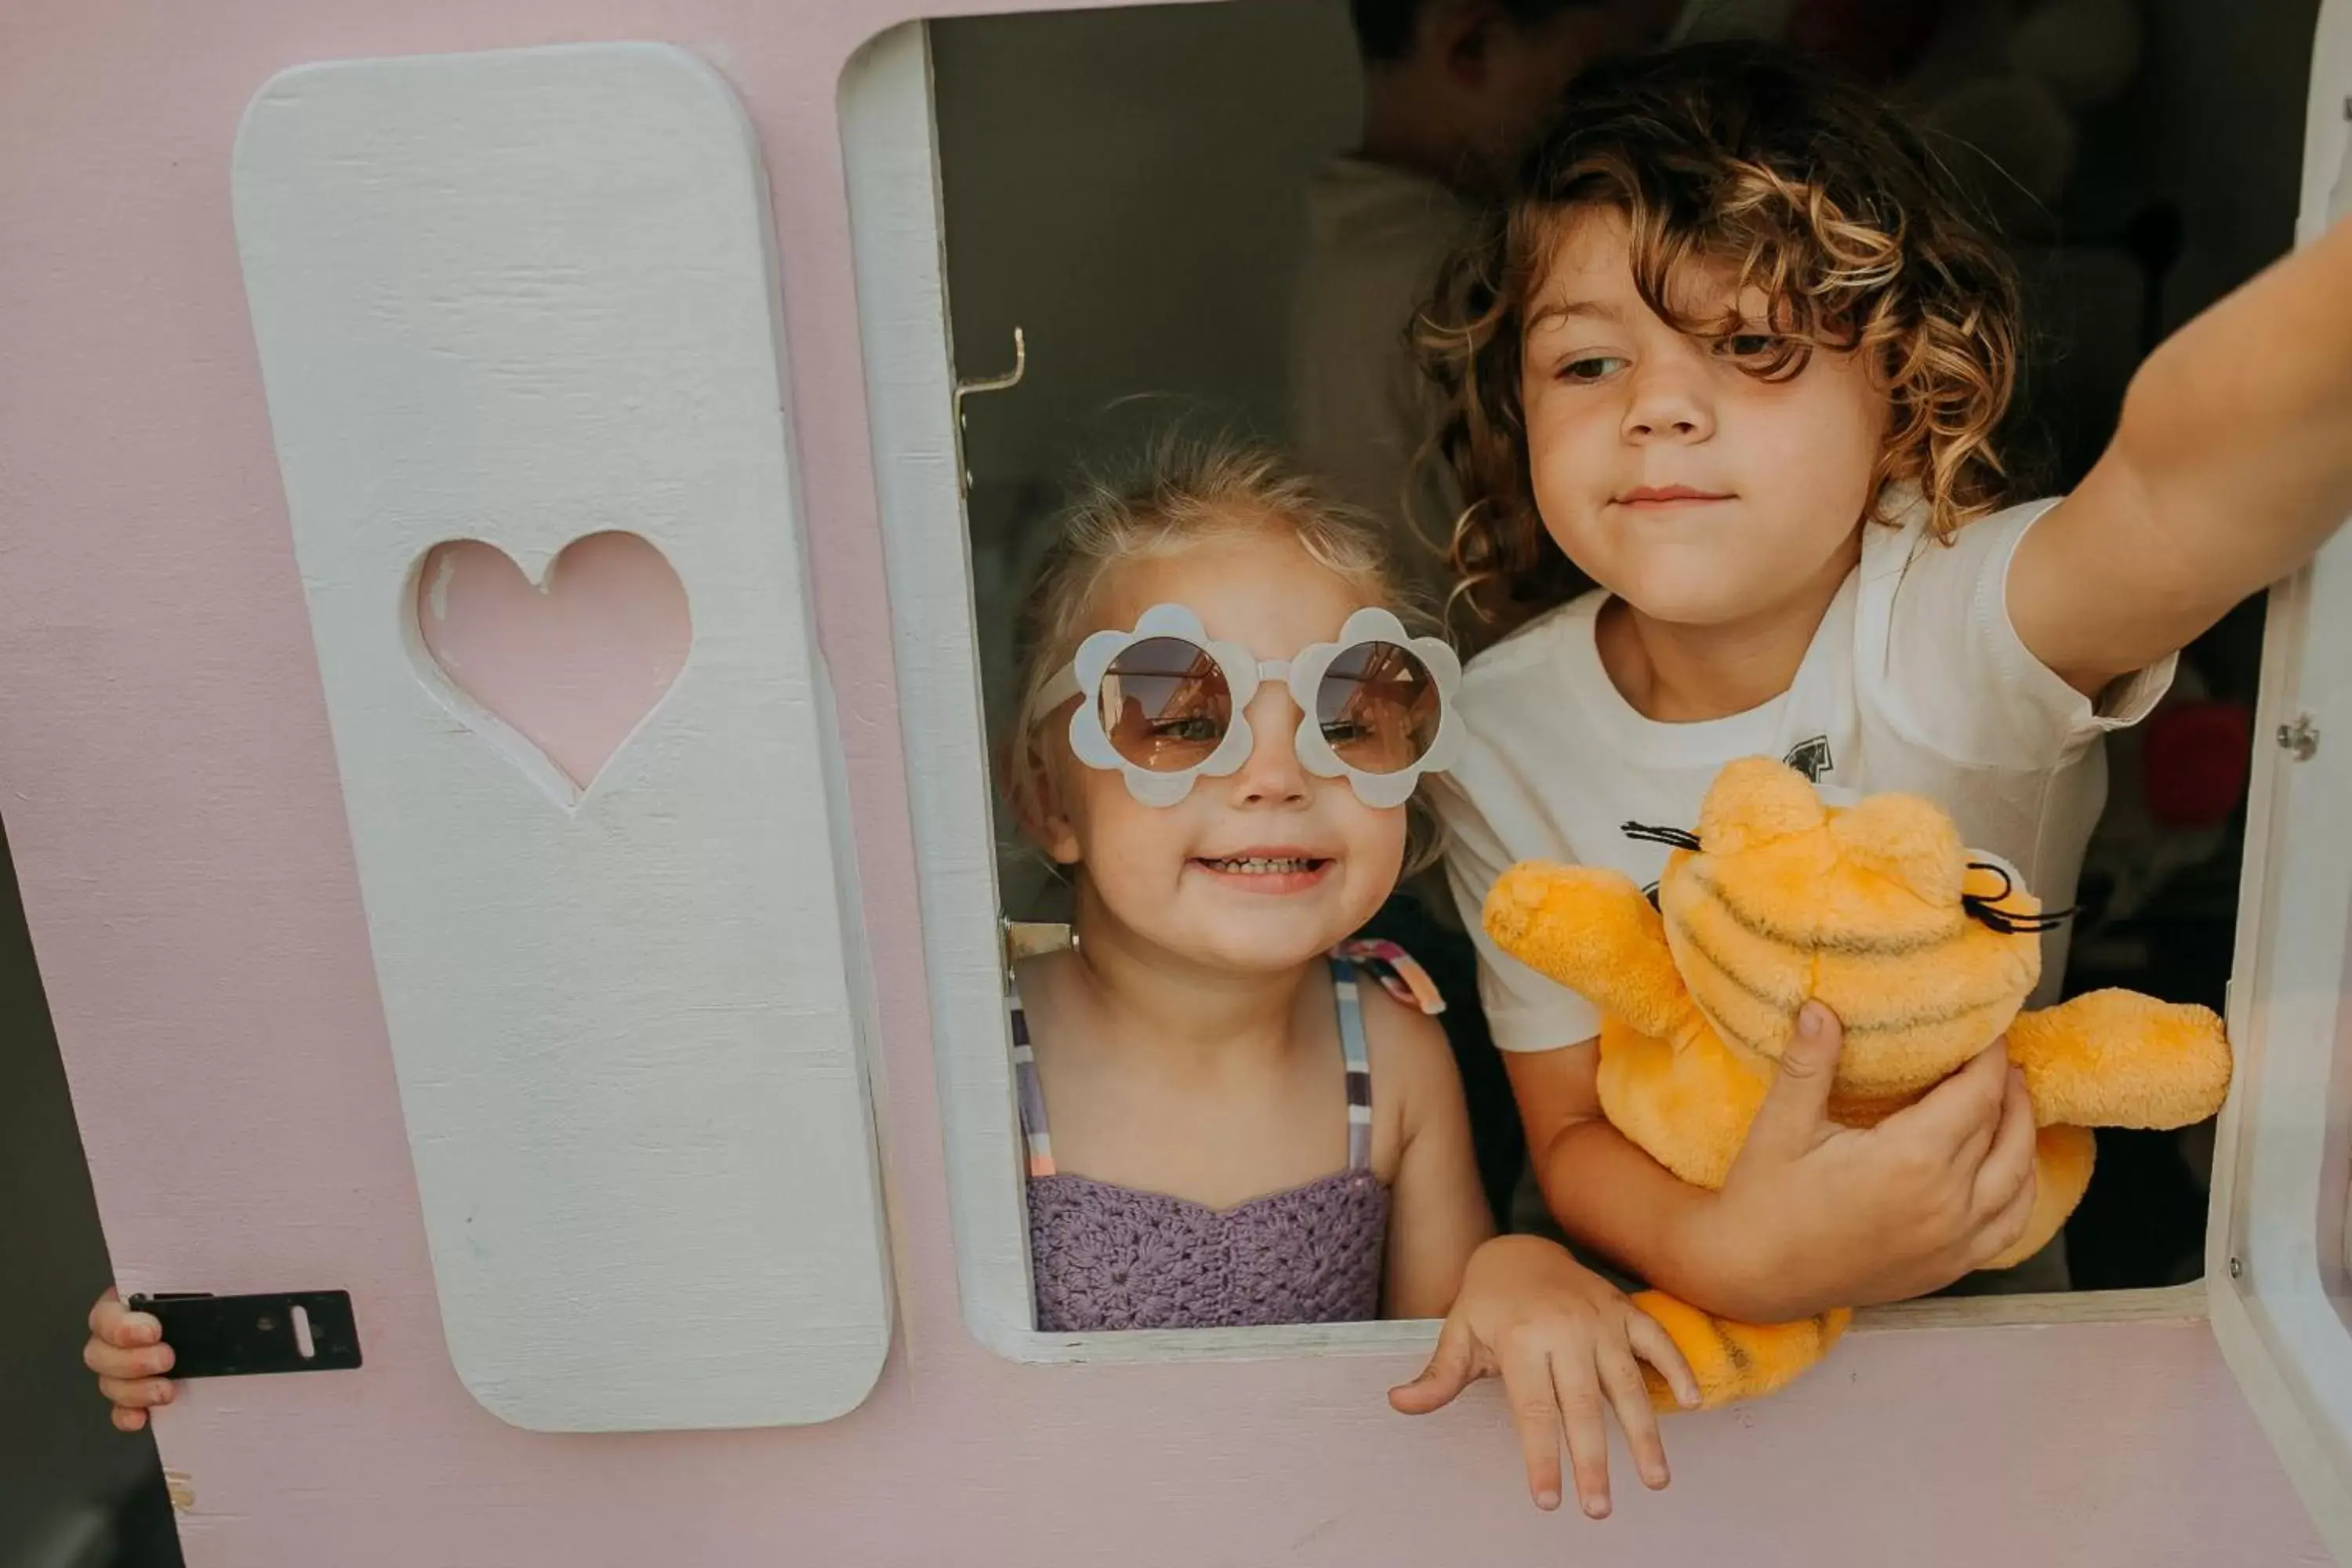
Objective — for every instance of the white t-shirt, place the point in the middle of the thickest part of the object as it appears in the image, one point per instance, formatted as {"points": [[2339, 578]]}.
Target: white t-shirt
{"points": [[1916, 681], [1360, 411]]}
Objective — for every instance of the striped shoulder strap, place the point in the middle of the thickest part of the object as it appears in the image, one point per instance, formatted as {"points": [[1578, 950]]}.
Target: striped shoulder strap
{"points": [[1395, 968], [1401, 978], [1037, 1140], [1359, 1055]]}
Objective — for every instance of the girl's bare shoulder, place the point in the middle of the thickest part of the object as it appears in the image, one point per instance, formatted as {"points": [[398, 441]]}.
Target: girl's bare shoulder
{"points": [[1413, 1064]]}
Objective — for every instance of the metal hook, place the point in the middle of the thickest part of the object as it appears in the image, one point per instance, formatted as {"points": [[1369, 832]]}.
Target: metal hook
{"points": [[997, 383], [1004, 383]]}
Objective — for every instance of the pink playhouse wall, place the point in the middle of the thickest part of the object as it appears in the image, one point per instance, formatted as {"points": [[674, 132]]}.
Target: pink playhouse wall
{"points": [[168, 785]]}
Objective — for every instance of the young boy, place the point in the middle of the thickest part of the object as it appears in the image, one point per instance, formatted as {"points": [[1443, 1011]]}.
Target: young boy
{"points": [[1735, 351]]}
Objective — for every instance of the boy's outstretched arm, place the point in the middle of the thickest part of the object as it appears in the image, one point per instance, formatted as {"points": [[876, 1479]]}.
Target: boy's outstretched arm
{"points": [[2230, 466]]}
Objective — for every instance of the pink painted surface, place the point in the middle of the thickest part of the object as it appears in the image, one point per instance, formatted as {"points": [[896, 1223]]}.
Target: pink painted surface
{"points": [[574, 662], [168, 785]]}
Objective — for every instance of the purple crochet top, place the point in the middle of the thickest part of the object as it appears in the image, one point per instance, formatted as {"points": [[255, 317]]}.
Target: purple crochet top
{"points": [[1108, 1257]]}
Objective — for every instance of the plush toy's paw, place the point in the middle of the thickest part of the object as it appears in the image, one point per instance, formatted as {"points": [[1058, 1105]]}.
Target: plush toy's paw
{"points": [[1735, 1362], [2062, 1157], [1593, 931], [2116, 1059], [1543, 914]]}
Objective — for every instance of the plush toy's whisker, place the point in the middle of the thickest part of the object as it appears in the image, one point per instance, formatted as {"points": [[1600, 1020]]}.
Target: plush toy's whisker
{"points": [[1679, 837], [2010, 925], [1988, 909]]}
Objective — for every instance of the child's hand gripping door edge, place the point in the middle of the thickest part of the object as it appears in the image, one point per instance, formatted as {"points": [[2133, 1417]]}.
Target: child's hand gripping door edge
{"points": [[126, 1349]]}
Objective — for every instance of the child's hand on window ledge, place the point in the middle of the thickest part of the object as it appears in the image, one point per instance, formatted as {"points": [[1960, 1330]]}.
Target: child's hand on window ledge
{"points": [[1565, 1342], [126, 1349]]}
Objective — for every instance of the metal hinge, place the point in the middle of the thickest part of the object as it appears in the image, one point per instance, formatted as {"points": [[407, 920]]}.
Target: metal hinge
{"points": [[1032, 939], [247, 1336]]}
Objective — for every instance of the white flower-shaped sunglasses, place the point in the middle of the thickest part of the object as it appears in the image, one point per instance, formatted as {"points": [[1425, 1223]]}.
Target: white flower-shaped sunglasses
{"points": [[1163, 705]]}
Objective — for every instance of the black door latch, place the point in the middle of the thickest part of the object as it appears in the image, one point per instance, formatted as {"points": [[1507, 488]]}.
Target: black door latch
{"points": [[241, 1336]]}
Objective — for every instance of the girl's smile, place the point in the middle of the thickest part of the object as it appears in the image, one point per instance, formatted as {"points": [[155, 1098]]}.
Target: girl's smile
{"points": [[1267, 871]]}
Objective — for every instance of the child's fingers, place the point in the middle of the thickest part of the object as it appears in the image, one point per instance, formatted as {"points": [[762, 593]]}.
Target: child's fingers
{"points": [[1452, 1368], [1535, 1415], [1630, 1397], [1578, 1388], [1959, 1114], [1970, 1152], [117, 1324], [136, 1394], [1796, 1106], [116, 1361], [2007, 1166], [128, 1420], [2000, 1231], [1654, 1344]]}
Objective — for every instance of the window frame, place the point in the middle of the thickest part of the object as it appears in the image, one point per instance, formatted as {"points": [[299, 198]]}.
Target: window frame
{"points": [[898, 239]]}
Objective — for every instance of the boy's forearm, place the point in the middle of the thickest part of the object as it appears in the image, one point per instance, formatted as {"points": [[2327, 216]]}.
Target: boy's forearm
{"points": [[2231, 464], [1609, 1195], [2239, 427]]}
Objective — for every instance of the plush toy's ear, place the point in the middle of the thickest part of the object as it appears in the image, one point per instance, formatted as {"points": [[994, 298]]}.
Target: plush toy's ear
{"points": [[1906, 840], [1755, 800]]}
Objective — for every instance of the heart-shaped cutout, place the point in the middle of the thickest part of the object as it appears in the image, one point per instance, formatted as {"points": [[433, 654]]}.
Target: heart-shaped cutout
{"points": [[572, 663]]}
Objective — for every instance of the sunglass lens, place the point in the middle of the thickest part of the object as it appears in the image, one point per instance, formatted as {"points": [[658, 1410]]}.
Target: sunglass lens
{"points": [[1377, 707], [1165, 704]]}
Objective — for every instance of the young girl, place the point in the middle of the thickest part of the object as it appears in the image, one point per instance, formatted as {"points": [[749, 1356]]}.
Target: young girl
{"points": [[1222, 723], [1734, 353]]}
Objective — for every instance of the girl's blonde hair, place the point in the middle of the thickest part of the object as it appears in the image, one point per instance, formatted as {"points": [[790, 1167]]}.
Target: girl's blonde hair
{"points": [[1181, 492], [1803, 186]]}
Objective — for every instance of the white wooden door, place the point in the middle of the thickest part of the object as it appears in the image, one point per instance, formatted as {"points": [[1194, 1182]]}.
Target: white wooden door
{"points": [[522, 305], [2278, 1260]]}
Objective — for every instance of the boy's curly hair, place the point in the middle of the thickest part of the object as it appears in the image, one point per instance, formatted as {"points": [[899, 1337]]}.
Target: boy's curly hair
{"points": [[1800, 185]]}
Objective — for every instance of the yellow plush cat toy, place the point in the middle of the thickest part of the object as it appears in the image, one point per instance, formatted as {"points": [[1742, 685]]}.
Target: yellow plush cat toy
{"points": [[1923, 951]]}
